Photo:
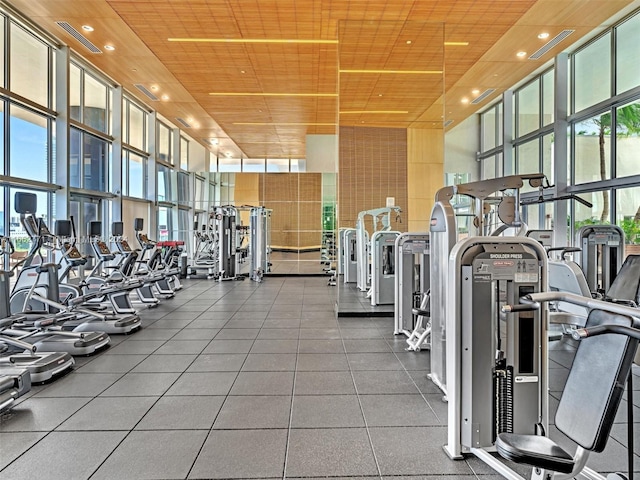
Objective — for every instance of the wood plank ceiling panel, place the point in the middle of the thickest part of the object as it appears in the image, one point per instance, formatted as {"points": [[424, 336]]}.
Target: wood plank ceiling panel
{"points": [[372, 34]]}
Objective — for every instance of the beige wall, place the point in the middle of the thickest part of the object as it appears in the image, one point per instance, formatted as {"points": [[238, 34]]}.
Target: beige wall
{"points": [[425, 175]]}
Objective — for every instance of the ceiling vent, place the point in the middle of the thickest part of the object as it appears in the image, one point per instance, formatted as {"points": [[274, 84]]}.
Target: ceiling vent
{"points": [[550, 44], [183, 122], [79, 37], [146, 91], [482, 96], [447, 123]]}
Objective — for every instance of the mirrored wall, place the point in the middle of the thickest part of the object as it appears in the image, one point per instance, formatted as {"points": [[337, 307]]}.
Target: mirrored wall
{"points": [[303, 211]]}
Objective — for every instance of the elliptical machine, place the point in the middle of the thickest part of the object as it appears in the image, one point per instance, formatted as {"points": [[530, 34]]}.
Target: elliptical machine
{"points": [[154, 283], [166, 265], [17, 354], [39, 317]]}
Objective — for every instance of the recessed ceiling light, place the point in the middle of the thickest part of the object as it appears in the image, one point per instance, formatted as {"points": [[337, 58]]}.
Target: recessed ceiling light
{"points": [[379, 94], [475, 91], [465, 100], [271, 94], [242, 71], [408, 72], [214, 141], [288, 124], [292, 41], [543, 35], [154, 87], [87, 28], [165, 97], [109, 47], [409, 42], [373, 111], [521, 54]]}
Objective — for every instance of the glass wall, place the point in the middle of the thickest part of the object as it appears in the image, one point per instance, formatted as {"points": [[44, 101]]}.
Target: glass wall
{"points": [[592, 67], [164, 192], [135, 126], [89, 99], [164, 143], [603, 129], [29, 134], [528, 111], [184, 153], [134, 175], [627, 139], [592, 148], [29, 66], [26, 132], [134, 162]]}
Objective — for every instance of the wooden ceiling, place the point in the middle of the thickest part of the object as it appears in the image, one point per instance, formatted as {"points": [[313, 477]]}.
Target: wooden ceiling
{"points": [[259, 75]]}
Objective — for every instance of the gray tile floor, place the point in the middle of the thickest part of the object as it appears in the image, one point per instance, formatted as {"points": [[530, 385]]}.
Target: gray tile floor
{"points": [[243, 380]]}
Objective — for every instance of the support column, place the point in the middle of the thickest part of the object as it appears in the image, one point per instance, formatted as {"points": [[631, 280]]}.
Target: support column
{"points": [[560, 148], [508, 162], [62, 59], [116, 155]]}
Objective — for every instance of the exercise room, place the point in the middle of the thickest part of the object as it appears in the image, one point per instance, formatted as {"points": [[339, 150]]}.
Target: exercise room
{"points": [[306, 239]]}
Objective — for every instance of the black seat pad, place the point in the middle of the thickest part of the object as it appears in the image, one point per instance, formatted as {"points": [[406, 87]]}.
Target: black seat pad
{"points": [[534, 450]]}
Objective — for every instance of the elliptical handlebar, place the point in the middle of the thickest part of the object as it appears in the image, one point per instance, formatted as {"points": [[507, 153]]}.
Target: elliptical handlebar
{"points": [[4, 243]]}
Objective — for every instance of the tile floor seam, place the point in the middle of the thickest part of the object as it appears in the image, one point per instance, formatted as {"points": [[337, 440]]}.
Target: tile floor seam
{"points": [[293, 391], [28, 449], [133, 428], [226, 397], [404, 369], [364, 418]]}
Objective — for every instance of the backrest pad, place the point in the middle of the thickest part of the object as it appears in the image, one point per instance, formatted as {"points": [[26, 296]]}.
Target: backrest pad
{"points": [[626, 285], [596, 383]]}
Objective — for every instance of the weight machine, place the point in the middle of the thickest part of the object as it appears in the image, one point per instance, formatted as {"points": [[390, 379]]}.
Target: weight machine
{"points": [[411, 279], [363, 246], [601, 256], [444, 235], [383, 267], [260, 241], [497, 371], [349, 254]]}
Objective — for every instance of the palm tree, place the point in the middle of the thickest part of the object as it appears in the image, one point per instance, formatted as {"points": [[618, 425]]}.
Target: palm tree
{"points": [[627, 123]]}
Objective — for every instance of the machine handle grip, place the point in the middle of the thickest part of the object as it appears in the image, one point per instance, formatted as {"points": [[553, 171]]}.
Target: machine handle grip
{"points": [[6, 242], [525, 305], [581, 333]]}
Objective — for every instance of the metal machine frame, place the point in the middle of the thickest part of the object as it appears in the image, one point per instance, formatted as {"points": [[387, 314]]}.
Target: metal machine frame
{"points": [[602, 254], [383, 267], [350, 255], [411, 279], [260, 242], [363, 246], [497, 367], [444, 236]]}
